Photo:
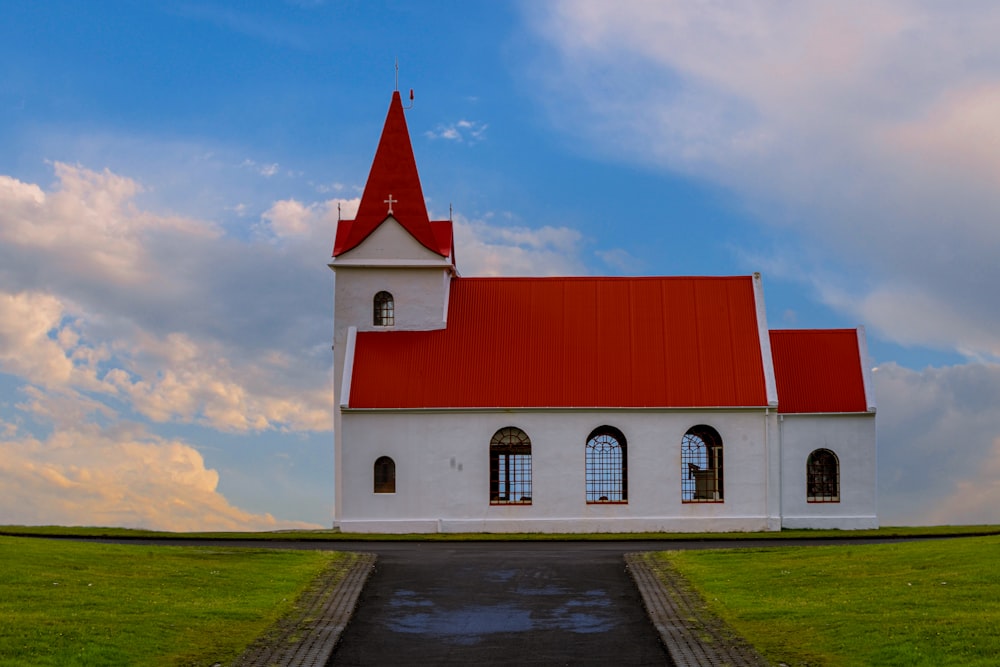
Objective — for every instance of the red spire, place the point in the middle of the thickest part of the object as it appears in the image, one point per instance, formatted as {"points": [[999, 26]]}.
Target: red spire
{"points": [[393, 176]]}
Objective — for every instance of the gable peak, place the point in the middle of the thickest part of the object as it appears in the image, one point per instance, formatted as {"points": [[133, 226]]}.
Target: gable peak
{"points": [[393, 188]]}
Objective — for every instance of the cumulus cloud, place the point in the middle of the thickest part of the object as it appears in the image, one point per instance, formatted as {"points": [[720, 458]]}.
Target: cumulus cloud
{"points": [[26, 349], [110, 312], [123, 476]]}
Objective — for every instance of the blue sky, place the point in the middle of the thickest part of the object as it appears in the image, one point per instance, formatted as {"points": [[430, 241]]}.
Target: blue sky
{"points": [[170, 174]]}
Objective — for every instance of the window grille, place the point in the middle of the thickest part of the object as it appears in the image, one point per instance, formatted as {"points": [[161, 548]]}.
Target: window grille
{"points": [[606, 478], [385, 475], [384, 310], [823, 477], [510, 467], [701, 466]]}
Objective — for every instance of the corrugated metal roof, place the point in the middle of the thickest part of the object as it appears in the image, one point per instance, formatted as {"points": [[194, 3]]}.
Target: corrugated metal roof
{"points": [[818, 370], [573, 342], [393, 173]]}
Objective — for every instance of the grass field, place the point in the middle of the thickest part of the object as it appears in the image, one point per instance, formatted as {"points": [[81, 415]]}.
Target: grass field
{"points": [[333, 536], [72, 603], [931, 602]]}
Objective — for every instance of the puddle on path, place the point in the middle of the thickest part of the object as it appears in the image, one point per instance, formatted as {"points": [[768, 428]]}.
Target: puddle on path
{"points": [[467, 624]]}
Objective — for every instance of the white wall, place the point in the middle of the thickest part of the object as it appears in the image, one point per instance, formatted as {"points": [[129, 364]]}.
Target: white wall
{"points": [[389, 241], [419, 281], [442, 472], [418, 297], [852, 438]]}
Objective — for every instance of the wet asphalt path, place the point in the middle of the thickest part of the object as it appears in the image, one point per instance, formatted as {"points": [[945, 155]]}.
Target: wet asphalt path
{"points": [[499, 603]]}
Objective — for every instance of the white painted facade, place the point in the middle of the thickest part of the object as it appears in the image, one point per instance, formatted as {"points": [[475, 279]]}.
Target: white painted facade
{"points": [[442, 472], [851, 437]]}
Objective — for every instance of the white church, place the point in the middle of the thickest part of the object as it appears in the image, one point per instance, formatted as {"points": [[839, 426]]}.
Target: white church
{"points": [[577, 404]]}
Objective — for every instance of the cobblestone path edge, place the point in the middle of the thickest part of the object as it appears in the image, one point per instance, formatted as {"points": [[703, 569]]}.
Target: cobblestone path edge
{"points": [[307, 637], [692, 635]]}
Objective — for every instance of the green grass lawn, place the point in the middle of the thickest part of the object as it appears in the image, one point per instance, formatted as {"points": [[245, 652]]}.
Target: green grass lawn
{"points": [[72, 603], [909, 603], [334, 536]]}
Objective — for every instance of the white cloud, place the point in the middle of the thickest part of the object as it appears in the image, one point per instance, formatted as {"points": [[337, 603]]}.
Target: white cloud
{"points": [[485, 250], [326, 188], [620, 260], [467, 131], [289, 217], [939, 444], [265, 170], [867, 129], [123, 476], [110, 312], [25, 346]]}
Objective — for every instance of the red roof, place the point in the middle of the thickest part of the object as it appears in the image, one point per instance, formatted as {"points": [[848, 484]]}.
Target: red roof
{"points": [[818, 370], [573, 342], [394, 173]]}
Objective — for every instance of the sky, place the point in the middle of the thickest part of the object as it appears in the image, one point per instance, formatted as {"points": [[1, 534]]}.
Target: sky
{"points": [[170, 175]]}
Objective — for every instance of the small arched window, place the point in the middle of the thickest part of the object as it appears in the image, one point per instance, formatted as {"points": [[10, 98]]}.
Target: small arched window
{"points": [[823, 477], [607, 466], [385, 475], [384, 310], [701, 465], [510, 467]]}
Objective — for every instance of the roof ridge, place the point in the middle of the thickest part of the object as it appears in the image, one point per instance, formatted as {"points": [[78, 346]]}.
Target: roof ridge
{"points": [[601, 278]]}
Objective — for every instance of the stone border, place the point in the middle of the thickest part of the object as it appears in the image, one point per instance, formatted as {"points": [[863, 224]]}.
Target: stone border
{"points": [[307, 637], [691, 634]]}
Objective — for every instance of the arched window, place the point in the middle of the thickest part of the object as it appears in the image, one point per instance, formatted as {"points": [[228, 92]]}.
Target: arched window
{"points": [[607, 470], [384, 310], [385, 475], [701, 465], [510, 467], [823, 477]]}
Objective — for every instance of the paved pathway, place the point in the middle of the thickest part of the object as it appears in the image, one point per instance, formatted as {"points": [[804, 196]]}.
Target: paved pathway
{"points": [[500, 603]]}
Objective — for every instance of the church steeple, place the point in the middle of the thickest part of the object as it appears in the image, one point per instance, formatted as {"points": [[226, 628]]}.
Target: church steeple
{"points": [[393, 189]]}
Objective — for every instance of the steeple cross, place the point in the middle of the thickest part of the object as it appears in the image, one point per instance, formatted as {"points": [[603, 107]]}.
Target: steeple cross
{"points": [[390, 201]]}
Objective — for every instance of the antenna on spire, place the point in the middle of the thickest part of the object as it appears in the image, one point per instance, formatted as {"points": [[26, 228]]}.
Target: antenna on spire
{"points": [[410, 106], [338, 212], [450, 212]]}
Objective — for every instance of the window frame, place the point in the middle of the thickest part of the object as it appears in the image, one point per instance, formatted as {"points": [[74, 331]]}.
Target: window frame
{"points": [[510, 453], [603, 486], [702, 466], [383, 483], [819, 474], [383, 309]]}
